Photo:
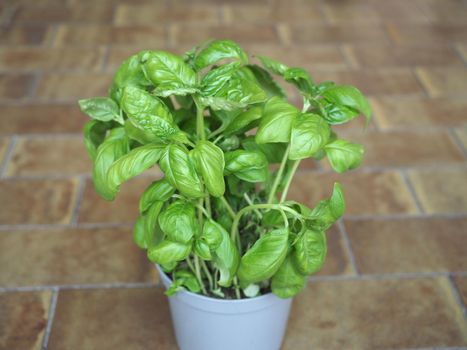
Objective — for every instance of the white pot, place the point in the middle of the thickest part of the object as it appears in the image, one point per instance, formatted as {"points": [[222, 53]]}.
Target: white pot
{"points": [[203, 323]]}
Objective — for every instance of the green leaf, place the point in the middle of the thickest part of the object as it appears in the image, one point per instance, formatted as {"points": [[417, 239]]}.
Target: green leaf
{"points": [[344, 155], [180, 171], [148, 112], [274, 152], [211, 234], [310, 133], [170, 74], [266, 81], [263, 260], [140, 135], [101, 108], [251, 166], [168, 252], [218, 50], [243, 121], [220, 103], [217, 78], [328, 211], [139, 233], [309, 252], [226, 257], [277, 120], [160, 190], [274, 66], [301, 79], [183, 279], [350, 97], [94, 133], [202, 250], [287, 281], [133, 164], [209, 161], [115, 146], [153, 234], [178, 221], [336, 114]]}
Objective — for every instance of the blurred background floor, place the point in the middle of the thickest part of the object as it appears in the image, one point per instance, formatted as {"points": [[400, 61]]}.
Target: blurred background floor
{"points": [[396, 275]]}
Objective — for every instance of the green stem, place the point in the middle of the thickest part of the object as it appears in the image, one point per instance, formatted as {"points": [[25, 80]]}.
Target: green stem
{"points": [[250, 202], [207, 201], [229, 208], [198, 275], [200, 121], [190, 265], [208, 274], [236, 287], [277, 180], [290, 176]]}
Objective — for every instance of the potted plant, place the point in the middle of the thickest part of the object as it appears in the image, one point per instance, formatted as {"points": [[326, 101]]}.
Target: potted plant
{"points": [[232, 251]]}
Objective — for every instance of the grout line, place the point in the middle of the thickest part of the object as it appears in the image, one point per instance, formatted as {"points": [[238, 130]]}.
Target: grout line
{"points": [[284, 34], [385, 276], [348, 246], [412, 191], [7, 158], [105, 58], [457, 141], [50, 318], [79, 199], [130, 285], [457, 50], [416, 73], [457, 296]]}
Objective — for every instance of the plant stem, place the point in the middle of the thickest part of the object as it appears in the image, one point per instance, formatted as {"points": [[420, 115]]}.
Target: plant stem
{"points": [[208, 274], [229, 208], [250, 202], [277, 180], [190, 265], [207, 201], [198, 275], [200, 121], [290, 176], [236, 287]]}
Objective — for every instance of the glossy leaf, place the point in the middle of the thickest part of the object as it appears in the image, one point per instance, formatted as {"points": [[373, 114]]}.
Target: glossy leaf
{"points": [[168, 252], [94, 133], [274, 152], [310, 133], [101, 108], [263, 260], [217, 78], [277, 120], [328, 211], [140, 135], [226, 257], [310, 251], [209, 162], [201, 249], [301, 79], [178, 222], [287, 281], [266, 81], [160, 190], [218, 50], [243, 121], [211, 234], [180, 171], [344, 155], [336, 114], [146, 231], [251, 166], [274, 66], [183, 279], [350, 97]]}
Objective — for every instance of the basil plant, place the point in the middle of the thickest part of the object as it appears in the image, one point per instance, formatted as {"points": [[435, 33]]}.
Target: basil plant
{"points": [[218, 221]]}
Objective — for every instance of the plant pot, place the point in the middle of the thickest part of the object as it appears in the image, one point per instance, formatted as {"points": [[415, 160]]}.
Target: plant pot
{"points": [[203, 323]]}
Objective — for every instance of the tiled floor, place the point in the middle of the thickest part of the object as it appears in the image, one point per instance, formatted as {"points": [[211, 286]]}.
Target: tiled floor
{"points": [[396, 275]]}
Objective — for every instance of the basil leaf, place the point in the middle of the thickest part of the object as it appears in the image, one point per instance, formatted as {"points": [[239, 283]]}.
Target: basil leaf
{"points": [[267, 83], [218, 50], [178, 221], [202, 250], [180, 171], [101, 108], [113, 147], [212, 235], [139, 135], [168, 252], [251, 166], [147, 112], [277, 120], [146, 231], [287, 281], [226, 257], [263, 260], [274, 152], [350, 97], [309, 134], [328, 211], [344, 155], [139, 233], [133, 164], [160, 190], [229, 143], [220, 103], [336, 114], [243, 121], [170, 74], [209, 161], [183, 279], [94, 133], [301, 79], [309, 252], [274, 66], [217, 78]]}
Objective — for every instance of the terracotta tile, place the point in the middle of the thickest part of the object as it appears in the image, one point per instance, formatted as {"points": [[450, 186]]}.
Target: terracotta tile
{"points": [[124, 209], [37, 201], [396, 81], [73, 256], [461, 284], [49, 156], [243, 34], [441, 191], [387, 56], [365, 192], [276, 11], [426, 34], [60, 12], [71, 87], [15, 86], [399, 10], [143, 319], [354, 11], [89, 35], [24, 319], [462, 51], [25, 35], [449, 11], [337, 262], [461, 133], [338, 34], [127, 14], [406, 148], [35, 58], [444, 80], [41, 118], [376, 314], [392, 112], [412, 245]]}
